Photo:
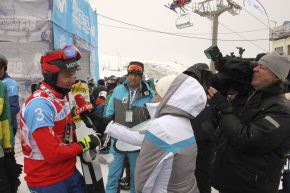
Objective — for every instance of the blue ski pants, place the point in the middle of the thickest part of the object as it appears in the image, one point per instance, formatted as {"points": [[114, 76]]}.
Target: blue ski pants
{"points": [[74, 184], [116, 168]]}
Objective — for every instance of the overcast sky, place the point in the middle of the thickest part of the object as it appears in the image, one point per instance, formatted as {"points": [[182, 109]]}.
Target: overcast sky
{"points": [[115, 39]]}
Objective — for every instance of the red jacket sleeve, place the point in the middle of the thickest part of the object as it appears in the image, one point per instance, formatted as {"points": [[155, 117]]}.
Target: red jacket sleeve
{"points": [[51, 149]]}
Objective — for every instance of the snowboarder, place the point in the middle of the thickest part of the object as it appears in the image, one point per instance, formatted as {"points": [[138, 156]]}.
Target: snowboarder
{"points": [[50, 155]]}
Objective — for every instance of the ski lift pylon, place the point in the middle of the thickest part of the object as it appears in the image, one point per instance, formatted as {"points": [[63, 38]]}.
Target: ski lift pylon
{"points": [[183, 21]]}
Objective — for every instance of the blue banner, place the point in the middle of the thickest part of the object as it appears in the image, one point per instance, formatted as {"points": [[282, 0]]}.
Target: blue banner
{"points": [[95, 60], [18, 23], [76, 17], [61, 37], [73, 19]]}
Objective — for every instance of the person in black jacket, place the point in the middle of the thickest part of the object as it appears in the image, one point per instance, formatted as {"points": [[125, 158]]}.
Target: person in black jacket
{"points": [[256, 139], [205, 132]]}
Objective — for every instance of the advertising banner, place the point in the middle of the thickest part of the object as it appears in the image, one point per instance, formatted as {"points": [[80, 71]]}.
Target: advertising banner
{"points": [[76, 17], [61, 37], [95, 60], [25, 34], [24, 58], [24, 21], [31, 27], [75, 22], [24, 63]]}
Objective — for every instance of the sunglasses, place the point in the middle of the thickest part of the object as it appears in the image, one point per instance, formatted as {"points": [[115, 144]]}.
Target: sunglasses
{"points": [[66, 53], [135, 69]]}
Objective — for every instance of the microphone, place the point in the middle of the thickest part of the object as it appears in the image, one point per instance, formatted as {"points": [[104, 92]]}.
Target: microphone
{"points": [[82, 104], [83, 110]]}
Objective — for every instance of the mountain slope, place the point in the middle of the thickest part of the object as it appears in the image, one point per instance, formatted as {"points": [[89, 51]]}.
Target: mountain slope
{"points": [[116, 65]]}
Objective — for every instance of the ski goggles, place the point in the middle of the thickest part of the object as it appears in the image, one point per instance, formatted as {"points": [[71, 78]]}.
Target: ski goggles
{"points": [[66, 53], [136, 69]]}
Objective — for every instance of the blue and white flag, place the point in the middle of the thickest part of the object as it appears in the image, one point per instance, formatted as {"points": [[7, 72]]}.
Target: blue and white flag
{"points": [[256, 5]]}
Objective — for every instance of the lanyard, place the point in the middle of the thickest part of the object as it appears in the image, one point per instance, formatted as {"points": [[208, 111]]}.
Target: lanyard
{"points": [[132, 94]]}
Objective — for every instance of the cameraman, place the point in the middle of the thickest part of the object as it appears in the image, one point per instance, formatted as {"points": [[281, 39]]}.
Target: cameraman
{"points": [[257, 138]]}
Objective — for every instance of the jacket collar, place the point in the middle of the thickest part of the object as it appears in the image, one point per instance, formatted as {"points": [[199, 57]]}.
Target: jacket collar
{"points": [[145, 91], [275, 89], [152, 108], [5, 76], [50, 91], [257, 96]]}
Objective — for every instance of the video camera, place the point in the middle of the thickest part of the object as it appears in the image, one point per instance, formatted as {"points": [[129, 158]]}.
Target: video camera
{"points": [[234, 73], [213, 53]]}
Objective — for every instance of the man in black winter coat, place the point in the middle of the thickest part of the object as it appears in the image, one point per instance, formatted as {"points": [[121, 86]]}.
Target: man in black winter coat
{"points": [[257, 139]]}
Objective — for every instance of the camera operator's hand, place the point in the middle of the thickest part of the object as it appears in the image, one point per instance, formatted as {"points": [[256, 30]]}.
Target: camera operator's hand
{"points": [[218, 101], [89, 142]]}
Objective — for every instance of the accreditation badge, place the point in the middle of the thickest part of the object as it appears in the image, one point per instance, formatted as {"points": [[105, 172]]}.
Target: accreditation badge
{"points": [[125, 100], [129, 116]]}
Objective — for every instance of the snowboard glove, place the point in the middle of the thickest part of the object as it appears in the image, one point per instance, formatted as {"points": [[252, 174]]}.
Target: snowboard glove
{"points": [[89, 142]]}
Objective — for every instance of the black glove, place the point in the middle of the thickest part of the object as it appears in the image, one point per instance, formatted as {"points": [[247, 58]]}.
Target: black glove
{"points": [[90, 119], [221, 103], [94, 121], [89, 142]]}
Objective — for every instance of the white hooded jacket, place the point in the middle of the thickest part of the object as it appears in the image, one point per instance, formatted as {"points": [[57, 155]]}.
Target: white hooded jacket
{"points": [[166, 162]]}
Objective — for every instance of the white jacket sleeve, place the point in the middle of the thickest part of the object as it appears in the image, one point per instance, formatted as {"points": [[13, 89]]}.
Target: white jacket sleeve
{"points": [[123, 133]]}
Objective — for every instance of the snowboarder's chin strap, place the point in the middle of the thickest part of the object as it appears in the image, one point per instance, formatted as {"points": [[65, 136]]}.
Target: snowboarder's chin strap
{"points": [[50, 79], [63, 91]]}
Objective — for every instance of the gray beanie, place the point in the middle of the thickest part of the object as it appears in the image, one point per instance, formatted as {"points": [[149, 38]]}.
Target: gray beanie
{"points": [[278, 63]]}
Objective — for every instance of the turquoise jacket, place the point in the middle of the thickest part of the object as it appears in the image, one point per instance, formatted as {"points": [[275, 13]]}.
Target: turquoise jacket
{"points": [[118, 104]]}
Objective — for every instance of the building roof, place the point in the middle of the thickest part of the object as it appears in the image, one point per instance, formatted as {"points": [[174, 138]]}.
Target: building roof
{"points": [[280, 32]]}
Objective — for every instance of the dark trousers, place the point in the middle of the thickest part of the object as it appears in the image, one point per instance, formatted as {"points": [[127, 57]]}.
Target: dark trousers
{"points": [[9, 181], [9, 173], [4, 180], [203, 166], [73, 184]]}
